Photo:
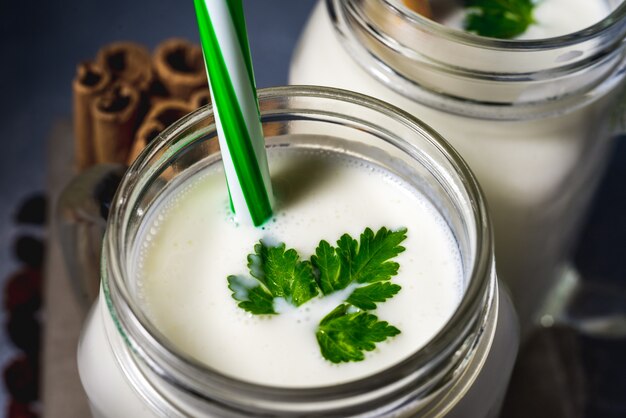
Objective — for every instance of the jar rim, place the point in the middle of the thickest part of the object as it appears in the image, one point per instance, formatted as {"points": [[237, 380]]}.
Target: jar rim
{"points": [[465, 74], [145, 340]]}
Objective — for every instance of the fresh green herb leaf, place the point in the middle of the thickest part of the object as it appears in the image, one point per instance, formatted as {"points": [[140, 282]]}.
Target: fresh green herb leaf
{"points": [[366, 297], [370, 263], [347, 332], [328, 266], [251, 295], [365, 261], [502, 19], [343, 336], [282, 273]]}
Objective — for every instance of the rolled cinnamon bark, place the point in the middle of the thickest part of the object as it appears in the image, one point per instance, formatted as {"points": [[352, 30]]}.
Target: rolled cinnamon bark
{"points": [[179, 65], [91, 79], [156, 92], [115, 115], [168, 111], [129, 62], [420, 6], [148, 130], [162, 115], [200, 98]]}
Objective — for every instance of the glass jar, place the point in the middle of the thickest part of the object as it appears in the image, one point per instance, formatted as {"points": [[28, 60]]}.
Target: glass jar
{"points": [[128, 369], [531, 118]]}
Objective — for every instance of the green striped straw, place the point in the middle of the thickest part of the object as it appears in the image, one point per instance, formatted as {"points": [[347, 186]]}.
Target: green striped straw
{"points": [[236, 108]]}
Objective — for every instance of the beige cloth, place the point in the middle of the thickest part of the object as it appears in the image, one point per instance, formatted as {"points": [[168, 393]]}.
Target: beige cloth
{"points": [[63, 395]]}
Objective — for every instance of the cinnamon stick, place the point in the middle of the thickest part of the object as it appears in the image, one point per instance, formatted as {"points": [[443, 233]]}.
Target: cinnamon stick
{"points": [[179, 65], [420, 6], [168, 111], [148, 130], [115, 115], [200, 98], [90, 81], [129, 62], [162, 115]]}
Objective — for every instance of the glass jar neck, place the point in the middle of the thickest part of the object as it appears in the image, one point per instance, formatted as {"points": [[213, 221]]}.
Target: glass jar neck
{"points": [[484, 77], [173, 382]]}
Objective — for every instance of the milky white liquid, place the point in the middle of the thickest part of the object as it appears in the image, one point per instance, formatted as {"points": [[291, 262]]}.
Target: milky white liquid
{"points": [[193, 244], [537, 174], [552, 17]]}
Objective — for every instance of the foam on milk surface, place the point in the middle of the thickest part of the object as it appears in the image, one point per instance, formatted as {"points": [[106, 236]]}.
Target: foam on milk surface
{"points": [[192, 244]]}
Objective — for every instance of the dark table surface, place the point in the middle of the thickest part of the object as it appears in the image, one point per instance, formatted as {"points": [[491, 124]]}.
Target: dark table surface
{"points": [[42, 41]]}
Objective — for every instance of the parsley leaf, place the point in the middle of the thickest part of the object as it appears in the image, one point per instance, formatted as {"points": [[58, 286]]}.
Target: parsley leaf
{"points": [[279, 273], [251, 296], [328, 268], [366, 297], [282, 272], [502, 19], [365, 261], [347, 332], [343, 336]]}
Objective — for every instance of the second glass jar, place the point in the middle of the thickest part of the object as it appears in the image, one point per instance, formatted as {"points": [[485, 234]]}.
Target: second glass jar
{"points": [[532, 118]]}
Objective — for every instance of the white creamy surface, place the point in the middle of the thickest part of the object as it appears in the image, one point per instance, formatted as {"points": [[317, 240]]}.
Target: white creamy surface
{"points": [[552, 17], [193, 245]]}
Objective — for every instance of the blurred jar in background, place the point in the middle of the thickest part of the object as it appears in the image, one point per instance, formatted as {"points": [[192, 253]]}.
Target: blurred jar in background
{"points": [[532, 118]]}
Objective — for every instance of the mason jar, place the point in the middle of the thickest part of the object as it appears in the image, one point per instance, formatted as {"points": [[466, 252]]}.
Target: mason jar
{"points": [[129, 369], [533, 118]]}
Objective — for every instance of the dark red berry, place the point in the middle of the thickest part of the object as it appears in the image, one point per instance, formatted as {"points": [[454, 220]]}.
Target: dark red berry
{"points": [[25, 331], [20, 410], [32, 210], [21, 379], [30, 251], [23, 290]]}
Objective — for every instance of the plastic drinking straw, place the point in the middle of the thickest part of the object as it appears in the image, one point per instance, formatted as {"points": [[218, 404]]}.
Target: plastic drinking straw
{"points": [[235, 105]]}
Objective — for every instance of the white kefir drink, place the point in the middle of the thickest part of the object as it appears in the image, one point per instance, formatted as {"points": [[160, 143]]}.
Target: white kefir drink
{"points": [[374, 233], [552, 18], [531, 118], [193, 244]]}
